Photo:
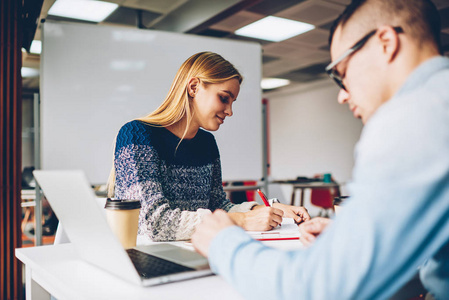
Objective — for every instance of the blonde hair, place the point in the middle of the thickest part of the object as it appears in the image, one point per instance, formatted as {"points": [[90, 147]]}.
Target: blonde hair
{"points": [[209, 68]]}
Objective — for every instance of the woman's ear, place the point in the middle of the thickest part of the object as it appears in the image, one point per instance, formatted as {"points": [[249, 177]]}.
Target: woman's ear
{"points": [[192, 86]]}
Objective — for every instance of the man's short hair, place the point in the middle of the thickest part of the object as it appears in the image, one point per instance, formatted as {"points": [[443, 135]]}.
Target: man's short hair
{"points": [[419, 18]]}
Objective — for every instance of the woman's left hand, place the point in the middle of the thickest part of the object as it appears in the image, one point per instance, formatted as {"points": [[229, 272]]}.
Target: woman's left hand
{"points": [[298, 213]]}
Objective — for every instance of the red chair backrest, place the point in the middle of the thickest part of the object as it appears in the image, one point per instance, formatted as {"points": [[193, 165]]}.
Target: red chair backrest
{"points": [[323, 197], [250, 195]]}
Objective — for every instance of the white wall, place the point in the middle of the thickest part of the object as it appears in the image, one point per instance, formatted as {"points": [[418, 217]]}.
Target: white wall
{"points": [[310, 133]]}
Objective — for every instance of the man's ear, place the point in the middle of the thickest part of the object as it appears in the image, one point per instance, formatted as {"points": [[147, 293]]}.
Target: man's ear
{"points": [[390, 42], [192, 86]]}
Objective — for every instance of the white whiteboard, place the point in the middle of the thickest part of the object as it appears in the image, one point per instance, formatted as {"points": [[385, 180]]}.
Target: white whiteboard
{"points": [[96, 78]]}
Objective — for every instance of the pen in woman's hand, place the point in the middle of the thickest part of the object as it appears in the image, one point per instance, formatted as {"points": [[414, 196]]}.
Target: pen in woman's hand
{"points": [[264, 198]]}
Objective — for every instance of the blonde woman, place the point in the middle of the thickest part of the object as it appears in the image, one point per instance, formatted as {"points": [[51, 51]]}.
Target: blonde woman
{"points": [[173, 166]]}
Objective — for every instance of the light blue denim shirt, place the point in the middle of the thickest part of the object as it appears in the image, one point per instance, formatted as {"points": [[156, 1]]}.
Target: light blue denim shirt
{"points": [[396, 221]]}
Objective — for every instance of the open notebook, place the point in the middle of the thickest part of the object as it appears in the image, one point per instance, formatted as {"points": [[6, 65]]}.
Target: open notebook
{"points": [[288, 231]]}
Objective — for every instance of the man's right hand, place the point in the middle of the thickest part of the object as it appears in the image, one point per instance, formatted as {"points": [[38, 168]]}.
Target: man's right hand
{"points": [[311, 229], [260, 218]]}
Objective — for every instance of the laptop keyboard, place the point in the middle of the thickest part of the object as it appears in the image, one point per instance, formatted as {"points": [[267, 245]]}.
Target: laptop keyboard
{"points": [[149, 266]]}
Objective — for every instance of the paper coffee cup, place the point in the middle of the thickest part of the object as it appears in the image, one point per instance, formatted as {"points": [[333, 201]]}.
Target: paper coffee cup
{"points": [[338, 201], [123, 218]]}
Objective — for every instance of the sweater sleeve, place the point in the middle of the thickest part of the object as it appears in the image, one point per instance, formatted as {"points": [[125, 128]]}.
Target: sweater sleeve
{"points": [[218, 196], [138, 176]]}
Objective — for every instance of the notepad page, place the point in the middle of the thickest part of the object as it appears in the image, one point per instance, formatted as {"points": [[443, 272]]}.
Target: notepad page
{"points": [[288, 229]]}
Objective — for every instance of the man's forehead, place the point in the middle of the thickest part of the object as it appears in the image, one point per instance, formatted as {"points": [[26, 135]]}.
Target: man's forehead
{"points": [[343, 39], [336, 46]]}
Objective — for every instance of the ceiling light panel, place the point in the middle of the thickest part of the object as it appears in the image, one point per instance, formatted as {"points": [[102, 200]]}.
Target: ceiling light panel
{"points": [[273, 83], [274, 29], [88, 10]]}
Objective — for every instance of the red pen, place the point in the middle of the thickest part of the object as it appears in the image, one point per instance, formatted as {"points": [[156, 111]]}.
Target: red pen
{"points": [[264, 198]]}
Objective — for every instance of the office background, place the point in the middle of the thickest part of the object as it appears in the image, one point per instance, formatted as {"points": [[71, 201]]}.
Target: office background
{"points": [[308, 131]]}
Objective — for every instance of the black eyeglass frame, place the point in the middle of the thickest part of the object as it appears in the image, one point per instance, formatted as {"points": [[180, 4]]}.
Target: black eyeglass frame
{"points": [[330, 69]]}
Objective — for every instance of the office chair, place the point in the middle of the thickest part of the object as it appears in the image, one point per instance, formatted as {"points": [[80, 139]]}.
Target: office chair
{"points": [[324, 198]]}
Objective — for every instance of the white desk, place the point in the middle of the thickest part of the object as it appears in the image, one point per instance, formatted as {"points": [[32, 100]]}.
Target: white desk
{"points": [[57, 270]]}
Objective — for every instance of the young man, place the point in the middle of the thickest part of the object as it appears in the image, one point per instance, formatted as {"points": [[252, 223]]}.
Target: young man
{"points": [[387, 63]]}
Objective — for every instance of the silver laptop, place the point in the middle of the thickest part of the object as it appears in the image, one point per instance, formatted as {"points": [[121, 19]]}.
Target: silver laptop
{"points": [[74, 202]]}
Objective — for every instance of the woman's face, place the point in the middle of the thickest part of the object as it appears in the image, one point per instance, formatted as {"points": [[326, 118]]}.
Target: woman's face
{"points": [[212, 103]]}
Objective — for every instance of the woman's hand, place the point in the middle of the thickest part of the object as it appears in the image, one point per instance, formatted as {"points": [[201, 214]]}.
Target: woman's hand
{"points": [[298, 213], [260, 218], [311, 229]]}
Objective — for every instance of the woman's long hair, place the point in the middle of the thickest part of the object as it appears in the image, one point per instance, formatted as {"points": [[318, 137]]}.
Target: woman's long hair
{"points": [[209, 68]]}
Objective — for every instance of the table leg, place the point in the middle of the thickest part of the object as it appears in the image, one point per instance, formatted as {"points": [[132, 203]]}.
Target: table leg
{"points": [[26, 217], [301, 198], [33, 291]]}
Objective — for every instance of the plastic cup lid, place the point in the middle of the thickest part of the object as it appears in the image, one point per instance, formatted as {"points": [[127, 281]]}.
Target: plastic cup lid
{"points": [[339, 200], [122, 204]]}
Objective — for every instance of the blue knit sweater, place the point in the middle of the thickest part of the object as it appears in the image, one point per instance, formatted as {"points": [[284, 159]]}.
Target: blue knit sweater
{"points": [[176, 183]]}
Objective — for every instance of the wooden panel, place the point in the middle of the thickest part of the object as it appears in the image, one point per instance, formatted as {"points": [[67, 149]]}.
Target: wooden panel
{"points": [[10, 150]]}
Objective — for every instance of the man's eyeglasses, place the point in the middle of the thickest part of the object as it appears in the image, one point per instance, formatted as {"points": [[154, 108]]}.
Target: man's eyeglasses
{"points": [[332, 71]]}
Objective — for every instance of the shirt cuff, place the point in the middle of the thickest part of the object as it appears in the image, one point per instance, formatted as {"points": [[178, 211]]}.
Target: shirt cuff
{"points": [[223, 248]]}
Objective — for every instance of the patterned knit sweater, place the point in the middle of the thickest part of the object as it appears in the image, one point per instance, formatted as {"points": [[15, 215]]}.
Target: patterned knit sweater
{"points": [[176, 185]]}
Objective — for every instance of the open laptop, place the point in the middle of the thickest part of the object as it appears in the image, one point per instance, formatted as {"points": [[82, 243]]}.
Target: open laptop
{"points": [[74, 202]]}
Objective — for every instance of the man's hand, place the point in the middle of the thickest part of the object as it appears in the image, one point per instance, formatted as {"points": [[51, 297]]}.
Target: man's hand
{"points": [[260, 218], [298, 213], [210, 226], [311, 229]]}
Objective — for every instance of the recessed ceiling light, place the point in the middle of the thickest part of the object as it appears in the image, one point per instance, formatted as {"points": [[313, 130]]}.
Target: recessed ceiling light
{"points": [[274, 29], [88, 10], [29, 72], [272, 83]]}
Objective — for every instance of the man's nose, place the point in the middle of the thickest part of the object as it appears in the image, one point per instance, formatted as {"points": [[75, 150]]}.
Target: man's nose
{"points": [[343, 96]]}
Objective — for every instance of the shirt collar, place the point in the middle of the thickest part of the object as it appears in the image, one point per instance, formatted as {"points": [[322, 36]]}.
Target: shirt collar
{"points": [[422, 72]]}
